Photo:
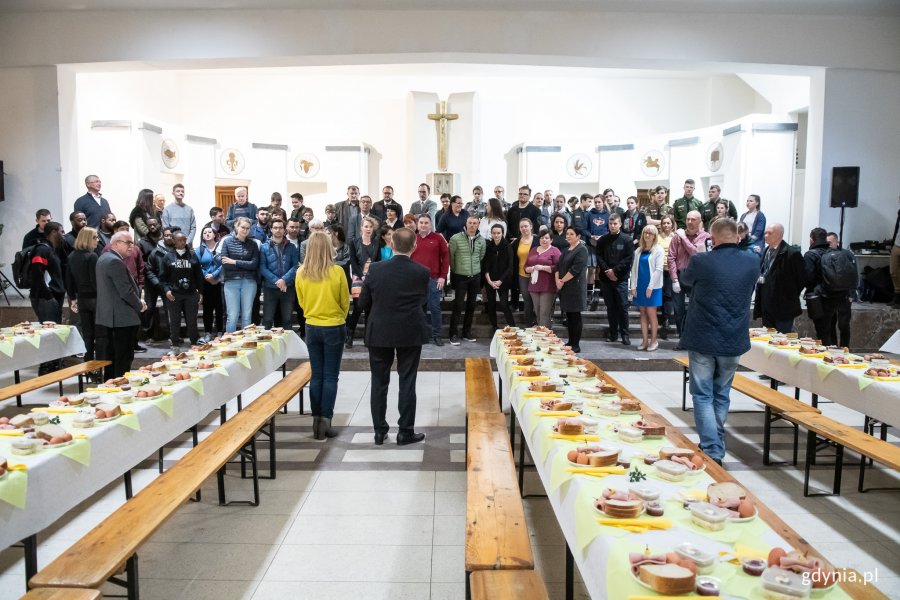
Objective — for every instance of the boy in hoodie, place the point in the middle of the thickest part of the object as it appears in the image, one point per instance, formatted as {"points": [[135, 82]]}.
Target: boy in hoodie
{"points": [[181, 279]]}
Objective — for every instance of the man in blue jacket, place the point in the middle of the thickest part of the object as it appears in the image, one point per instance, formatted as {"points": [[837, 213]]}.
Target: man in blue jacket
{"points": [[716, 330], [278, 267]]}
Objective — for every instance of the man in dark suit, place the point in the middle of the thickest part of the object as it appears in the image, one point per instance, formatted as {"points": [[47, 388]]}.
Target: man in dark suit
{"points": [[93, 205], [393, 293], [119, 307]]}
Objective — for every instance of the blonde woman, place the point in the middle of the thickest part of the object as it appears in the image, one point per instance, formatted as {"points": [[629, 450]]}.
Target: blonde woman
{"points": [[323, 295], [646, 285]]}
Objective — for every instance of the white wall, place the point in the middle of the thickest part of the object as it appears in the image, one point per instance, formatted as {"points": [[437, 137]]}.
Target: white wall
{"points": [[29, 149], [860, 129]]}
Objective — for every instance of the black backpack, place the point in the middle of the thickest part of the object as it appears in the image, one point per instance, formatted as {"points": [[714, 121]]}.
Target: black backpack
{"points": [[22, 267], [839, 271]]}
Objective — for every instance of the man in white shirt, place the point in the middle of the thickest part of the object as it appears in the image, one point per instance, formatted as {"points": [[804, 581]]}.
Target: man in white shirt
{"points": [[92, 204]]}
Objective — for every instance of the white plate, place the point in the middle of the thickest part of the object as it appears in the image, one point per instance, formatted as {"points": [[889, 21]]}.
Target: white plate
{"points": [[46, 446], [106, 420], [643, 510], [692, 593], [745, 519]]}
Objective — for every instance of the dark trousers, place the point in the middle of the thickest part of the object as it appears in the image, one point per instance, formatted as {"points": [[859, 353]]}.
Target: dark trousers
{"points": [[836, 311], [780, 325], [213, 309], [575, 327], [326, 347], [354, 317], [380, 362], [87, 314], [187, 304], [492, 298], [276, 302], [664, 312], [150, 317], [465, 292], [615, 295], [48, 309], [116, 344], [432, 307]]}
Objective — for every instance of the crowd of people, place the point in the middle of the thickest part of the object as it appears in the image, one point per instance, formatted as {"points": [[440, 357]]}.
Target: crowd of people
{"points": [[263, 264]]}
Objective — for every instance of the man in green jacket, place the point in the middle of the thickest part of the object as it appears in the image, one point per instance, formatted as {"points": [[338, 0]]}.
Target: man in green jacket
{"points": [[709, 209], [686, 204], [467, 248]]}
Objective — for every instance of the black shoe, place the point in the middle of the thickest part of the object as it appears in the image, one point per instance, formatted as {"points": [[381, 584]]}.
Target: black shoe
{"points": [[409, 438], [677, 347], [454, 340], [626, 340], [612, 338], [379, 438], [595, 304], [468, 337], [437, 340], [663, 333], [138, 349], [348, 343], [576, 349]]}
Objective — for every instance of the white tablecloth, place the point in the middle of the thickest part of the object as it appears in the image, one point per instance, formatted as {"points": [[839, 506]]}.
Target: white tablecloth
{"points": [[45, 345], [879, 399], [592, 560], [57, 483]]}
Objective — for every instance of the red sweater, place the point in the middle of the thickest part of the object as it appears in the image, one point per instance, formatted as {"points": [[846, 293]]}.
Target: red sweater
{"points": [[431, 252]]}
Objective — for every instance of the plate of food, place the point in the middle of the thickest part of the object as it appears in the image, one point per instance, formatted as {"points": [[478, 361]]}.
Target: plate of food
{"points": [[881, 374], [619, 504]]}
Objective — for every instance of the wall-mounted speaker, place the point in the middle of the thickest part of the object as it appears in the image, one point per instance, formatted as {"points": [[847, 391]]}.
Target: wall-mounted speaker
{"points": [[844, 187], [2, 175]]}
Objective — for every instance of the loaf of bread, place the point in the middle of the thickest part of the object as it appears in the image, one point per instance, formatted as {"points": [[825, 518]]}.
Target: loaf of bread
{"points": [[668, 579], [569, 426], [725, 490], [603, 458], [623, 509], [49, 432], [667, 452]]}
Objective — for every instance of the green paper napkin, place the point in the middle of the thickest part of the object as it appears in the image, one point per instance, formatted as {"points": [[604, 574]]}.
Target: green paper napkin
{"points": [[768, 351], [823, 370], [164, 404], [865, 382], [7, 347], [80, 452], [558, 474], [62, 332], [793, 359], [34, 339], [243, 360], [14, 488], [220, 371], [681, 519], [127, 420], [196, 385]]}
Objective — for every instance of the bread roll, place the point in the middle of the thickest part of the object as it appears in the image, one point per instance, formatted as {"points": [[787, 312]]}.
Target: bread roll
{"points": [[669, 579]]}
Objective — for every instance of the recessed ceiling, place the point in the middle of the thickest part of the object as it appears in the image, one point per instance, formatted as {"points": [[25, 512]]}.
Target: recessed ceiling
{"points": [[788, 7]]}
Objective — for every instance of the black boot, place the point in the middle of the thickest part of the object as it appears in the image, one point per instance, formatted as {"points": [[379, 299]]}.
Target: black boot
{"points": [[895, 303], [325, 429], [348, 343]]}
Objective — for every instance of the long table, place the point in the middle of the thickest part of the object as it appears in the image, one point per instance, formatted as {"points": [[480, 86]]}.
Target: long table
{"points": [[56, 480], [844, 385], [601, 553], [23, 351]]}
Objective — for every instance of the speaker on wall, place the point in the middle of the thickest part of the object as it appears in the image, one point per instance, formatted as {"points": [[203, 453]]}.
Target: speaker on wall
{"points": [[844, 187], [2, 193]]}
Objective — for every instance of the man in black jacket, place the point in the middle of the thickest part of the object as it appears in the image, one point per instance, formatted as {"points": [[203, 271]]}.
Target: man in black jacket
{"points": [[48, 287], [524, 209], [153, 289], [823, 305], [781, 279], [41, 218], [181, 279], [615, 252], [392, 296]]}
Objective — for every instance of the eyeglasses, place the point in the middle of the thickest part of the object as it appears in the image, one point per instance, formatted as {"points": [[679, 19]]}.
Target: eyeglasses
{"points": [[127, 243]]}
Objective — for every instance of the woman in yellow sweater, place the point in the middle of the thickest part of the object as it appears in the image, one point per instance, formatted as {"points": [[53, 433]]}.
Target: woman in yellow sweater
{"points": [[323, 294]]}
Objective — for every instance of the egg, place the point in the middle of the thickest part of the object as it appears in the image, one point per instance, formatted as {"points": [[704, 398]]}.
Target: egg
{"points": [[64, 399], [775, 556], [583, 459], [672, 557], [4, 420], [572, 455], [697, 461], [68, 437], [746, 509], [57, 440], [821, 578]]}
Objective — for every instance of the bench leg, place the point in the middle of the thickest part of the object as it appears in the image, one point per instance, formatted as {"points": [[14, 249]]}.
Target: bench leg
{"points": [[468, 586], [128, 490], [500, 392], [220, 483], [815, 401], [770, 418], [29, 544], [131, 569], [195, 435], [685, 378], [512, 429], [17, 379], [570, 574], [80, 383], [521, 463], [796, 442], [301, 397], [249, 454], [160, 460], [812, 444], [223, 414], [240, 405], [767, 435], [61, 392]]}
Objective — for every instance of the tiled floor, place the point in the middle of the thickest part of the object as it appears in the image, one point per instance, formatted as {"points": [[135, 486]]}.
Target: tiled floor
{"points": [[347, 519]]}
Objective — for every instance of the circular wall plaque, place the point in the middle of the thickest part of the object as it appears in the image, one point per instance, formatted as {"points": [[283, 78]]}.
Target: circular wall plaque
{"points": [[232, 161], [715, 155], [169, 153], [653, 163], [579, 166], [306, 165]]}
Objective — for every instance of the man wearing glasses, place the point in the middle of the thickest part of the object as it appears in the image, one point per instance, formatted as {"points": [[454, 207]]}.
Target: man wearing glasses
{"points": [[119, 307], [524, 209]]}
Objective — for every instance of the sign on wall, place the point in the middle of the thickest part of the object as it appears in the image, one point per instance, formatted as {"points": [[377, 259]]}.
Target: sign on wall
{"points": [[579, 166], [306, 165], [715, 156], [653, 163], [169, 153], [232, 161]]}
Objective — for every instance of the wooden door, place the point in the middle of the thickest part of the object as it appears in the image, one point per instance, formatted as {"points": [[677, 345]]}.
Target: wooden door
{"points": [[225, 196], [643, 197]]}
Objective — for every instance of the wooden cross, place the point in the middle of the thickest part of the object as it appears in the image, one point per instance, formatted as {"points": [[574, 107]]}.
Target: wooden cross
{"points": [[441, 118]]}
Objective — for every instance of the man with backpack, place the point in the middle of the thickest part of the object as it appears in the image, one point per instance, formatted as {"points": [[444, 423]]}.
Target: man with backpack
{"points": [[831, 276]]}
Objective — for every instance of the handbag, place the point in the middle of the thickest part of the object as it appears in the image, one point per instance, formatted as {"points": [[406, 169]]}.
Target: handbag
{"points": [[356, 287], [815, 307]]}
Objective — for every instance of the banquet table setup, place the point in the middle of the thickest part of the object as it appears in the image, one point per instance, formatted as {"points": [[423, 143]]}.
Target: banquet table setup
{"points": [[81, 443], [28, 344], [832, 373], [642, 513]]}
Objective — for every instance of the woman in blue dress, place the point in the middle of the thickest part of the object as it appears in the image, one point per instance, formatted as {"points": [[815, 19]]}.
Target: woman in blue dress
{"points": [[646, 285]]}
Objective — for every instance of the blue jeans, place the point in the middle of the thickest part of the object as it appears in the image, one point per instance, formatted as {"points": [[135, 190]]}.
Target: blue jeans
{"points": [[711, 378], [239, 294], [326, 347], [433, 307]]}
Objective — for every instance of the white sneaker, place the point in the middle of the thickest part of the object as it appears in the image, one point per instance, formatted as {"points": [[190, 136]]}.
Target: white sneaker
{"points": [[642, 346], [653, 347]]}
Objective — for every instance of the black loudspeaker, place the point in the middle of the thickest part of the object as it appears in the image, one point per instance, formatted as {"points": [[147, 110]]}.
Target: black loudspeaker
{"points": [[844, 187], [2, 193]]}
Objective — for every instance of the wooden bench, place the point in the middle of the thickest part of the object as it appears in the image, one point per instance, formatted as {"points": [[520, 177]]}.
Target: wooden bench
{"points": [[823, 431], [496, 531], [17, 389], [62, 594], [100, 554], [776, 405], [481, 393], [508, 585]]}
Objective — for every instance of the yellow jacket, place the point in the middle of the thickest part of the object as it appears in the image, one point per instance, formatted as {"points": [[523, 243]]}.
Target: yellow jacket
{"points": [[325, 303]]}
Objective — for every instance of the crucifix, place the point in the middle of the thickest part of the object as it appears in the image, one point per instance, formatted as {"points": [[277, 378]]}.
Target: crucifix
{"points": [[441, 118]]}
